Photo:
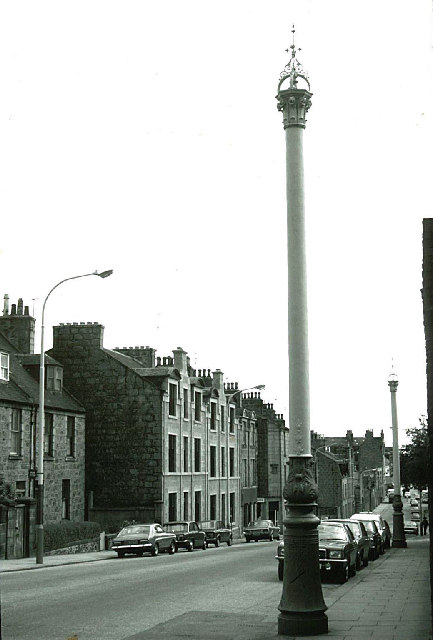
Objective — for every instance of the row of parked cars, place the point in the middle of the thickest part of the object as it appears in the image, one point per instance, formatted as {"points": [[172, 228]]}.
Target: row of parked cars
{"points": [[347, 545], [153, 538]]}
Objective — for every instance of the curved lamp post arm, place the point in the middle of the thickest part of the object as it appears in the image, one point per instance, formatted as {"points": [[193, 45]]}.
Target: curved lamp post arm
{"points": [[41, 439]]}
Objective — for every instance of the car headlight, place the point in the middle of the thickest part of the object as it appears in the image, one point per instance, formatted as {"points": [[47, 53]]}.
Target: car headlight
{"points": [[334, 553]]}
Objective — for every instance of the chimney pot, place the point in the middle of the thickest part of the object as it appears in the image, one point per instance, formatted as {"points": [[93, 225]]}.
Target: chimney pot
{"points": [[6, 305]]}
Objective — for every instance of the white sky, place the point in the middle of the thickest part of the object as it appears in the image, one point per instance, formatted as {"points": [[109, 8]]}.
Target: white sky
{"points": [[145, 137]]}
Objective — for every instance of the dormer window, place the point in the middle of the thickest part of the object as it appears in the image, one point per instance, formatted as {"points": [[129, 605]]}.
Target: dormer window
{"points": [[54, 378], [4, 366]]}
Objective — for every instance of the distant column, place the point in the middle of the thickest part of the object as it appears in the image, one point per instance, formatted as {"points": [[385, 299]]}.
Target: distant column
{"points": [[398, 535]]}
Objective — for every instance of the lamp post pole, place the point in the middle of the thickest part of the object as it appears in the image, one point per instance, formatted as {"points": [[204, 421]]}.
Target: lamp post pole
{"points": [[398, 535], [40, 454], [228, 401], [302, 608]]}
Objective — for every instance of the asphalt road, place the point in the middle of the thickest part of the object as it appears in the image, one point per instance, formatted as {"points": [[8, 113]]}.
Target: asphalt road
{"points": [[116, 598]]}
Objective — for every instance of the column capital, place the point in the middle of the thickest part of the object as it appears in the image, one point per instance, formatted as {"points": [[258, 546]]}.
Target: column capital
{"points": [[294, 104]]}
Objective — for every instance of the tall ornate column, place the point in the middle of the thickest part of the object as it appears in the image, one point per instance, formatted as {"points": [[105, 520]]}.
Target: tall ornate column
{"points": [[398, 535], [302, 608]]}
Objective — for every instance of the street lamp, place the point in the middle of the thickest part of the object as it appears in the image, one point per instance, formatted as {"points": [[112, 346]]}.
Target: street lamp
{"points": [[302, 607], [398, 535], [228, 401], [40, 457]]}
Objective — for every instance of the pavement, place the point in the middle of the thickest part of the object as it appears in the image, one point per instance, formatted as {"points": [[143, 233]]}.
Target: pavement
{"points": [[388, 600]]}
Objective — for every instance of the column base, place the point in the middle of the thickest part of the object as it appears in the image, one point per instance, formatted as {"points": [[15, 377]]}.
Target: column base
{"points": [[302, 624], [400, 544]]}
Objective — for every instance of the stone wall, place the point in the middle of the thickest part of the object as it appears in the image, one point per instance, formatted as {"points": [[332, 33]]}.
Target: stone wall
{"points": [[123, 426]]}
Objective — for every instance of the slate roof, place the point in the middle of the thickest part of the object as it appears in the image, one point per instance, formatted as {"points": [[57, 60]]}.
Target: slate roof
{"points": [[137, 366], [23, 388]]}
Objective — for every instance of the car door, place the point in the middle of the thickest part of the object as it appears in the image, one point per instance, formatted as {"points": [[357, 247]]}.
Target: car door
{"points": [[161, 537], [353, 545]]}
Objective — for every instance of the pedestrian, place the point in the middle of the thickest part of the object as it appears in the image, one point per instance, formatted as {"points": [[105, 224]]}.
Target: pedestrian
{"points": [[424, 525]]}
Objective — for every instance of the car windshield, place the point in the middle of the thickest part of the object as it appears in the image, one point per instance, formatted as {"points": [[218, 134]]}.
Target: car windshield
{"points": [[355, 529], [175, 526], [370, 525], [331, 532], [259, 523], [134, 529], [209, 524]]}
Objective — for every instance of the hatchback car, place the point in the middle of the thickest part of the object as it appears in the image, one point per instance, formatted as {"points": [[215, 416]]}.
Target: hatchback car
{"points": [[188, 535], [338, 550], [216, 532], [143, 538], [261, 530], [374, 537]]}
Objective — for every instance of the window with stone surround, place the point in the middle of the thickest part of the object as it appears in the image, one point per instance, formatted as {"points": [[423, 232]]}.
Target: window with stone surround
{"points": [[212, 507], [197, 454], [172, 399], [49, 435], [171, 452], [185, 454], [212, 463], [213, 414], [16, 432], [232, 419], [232, 461], [172, 507], [70, 437], [185, 403], [4, 366], [223, 419], [197, 406], [223, 461], [185, 505]]}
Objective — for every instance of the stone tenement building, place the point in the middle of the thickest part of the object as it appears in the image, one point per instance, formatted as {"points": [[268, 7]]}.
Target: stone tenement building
{"points": [[362, 484], [64, 438], [161, 438], [272, 452]]}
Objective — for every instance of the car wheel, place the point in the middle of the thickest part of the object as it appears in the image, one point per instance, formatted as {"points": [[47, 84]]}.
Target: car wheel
{"points": [[120, 554], [365, 560], [155, 550], [172, 549], [256, 540], [217, 542], [271, 537], [280, 570], [191, 546], [343, 573], [352, 569], [204, 545], [247, 539], [229, 542], [358, 562], [382, 550]]}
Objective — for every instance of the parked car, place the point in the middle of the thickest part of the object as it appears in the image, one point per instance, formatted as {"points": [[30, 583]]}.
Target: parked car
{"points": [[369, 515], [280, 558], [407, 494], [338, 550], [143, 538], [415, 515], [360, 534], [188, 535], [261, 530], [374, 537], [414, 502], [410, 526], [216, 532]]}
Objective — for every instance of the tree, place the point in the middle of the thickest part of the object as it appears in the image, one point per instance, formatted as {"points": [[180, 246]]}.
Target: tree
{"points": [[414, 461]]}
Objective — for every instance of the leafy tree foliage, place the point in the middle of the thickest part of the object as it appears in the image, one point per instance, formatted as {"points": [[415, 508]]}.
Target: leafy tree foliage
{"points": [[414, 461]]}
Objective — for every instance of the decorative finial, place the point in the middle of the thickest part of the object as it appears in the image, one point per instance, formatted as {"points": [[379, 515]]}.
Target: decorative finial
{"points": [[293, 68], [393, 378]]}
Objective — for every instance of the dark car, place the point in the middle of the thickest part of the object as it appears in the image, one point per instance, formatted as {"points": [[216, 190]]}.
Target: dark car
{"points": [[338, 550], [216, 532], [188, 535], [261, 530], [360, 534], [373, 536], [365, 516], [143, 538]]}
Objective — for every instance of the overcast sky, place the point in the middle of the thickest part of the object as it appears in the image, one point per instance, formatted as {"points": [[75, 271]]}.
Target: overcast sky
{"points": [[144, 137]]}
